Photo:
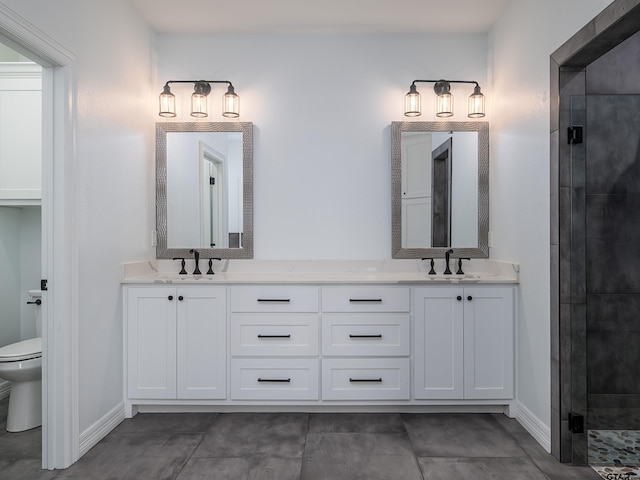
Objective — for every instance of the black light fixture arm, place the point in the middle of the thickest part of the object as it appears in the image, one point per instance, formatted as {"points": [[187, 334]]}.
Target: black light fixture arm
{"points": [[204, 84], [441, 84]]}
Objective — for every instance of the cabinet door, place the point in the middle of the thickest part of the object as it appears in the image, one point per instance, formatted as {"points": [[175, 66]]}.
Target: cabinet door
{"points": [[488, 349], [151, 342], [438, 343], [202, 340], [20, 132]]}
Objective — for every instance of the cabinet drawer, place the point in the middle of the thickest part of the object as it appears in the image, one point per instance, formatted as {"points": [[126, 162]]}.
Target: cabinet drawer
{"points": [[274, 379], [365, 299], [365, 334], [269, 334], [274, 298], [365, 379]]}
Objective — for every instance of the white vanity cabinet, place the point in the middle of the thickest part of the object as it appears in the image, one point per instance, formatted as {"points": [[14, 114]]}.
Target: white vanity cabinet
{"points": [[464, 342], [228, 342], [366, 343], [274, 342], [176, 342]]}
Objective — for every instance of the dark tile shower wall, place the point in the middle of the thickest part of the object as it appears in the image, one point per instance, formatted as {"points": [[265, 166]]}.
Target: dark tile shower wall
{"points": [[613, 261], [613, 238]]}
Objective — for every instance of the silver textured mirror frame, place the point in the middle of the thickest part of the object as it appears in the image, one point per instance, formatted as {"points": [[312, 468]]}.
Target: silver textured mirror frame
{"points": [[162, 128], [482, 249]]}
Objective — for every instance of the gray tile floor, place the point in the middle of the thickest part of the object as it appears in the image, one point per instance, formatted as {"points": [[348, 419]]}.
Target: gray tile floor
{"points": [[300, 446]]}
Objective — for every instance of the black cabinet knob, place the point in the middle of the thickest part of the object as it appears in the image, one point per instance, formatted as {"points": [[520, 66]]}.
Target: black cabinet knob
{"points": [[180, 298], [459, 298], [170, 297], [469, 298]]}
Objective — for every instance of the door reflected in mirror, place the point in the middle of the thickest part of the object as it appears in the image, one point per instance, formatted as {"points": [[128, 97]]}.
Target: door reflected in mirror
{"points": [[440, 183], [204, 189], [439, 189], [209, 215]]}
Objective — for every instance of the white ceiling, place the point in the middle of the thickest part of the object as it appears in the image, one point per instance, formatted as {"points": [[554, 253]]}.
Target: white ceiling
{"points": [[321, 16]]}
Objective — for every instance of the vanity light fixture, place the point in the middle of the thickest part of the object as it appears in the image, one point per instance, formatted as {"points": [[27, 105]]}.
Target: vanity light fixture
{"points": [[202, 88], [444, 101]]}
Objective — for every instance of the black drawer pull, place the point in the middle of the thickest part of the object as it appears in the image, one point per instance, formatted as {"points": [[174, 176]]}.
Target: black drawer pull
{"points": [[274, 336], [469, 298], [379, 335], [282, 300], [170, 297], [458, 298], [360, 380], [276, 380], [365, 300]]}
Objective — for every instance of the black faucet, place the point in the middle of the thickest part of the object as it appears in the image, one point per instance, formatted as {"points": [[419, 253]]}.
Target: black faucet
{"points": [[432, 271], [447, 255], [196, 256], [460, 272], [210, 271], [182, 270]]}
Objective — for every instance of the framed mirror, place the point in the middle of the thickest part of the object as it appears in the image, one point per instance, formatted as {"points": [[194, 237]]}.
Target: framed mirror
{"points": [[204, 189], [439, 189]]}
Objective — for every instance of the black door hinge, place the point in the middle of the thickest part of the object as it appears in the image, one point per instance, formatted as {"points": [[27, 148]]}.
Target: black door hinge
{"points": [[212, 180], [43, 285], [575, 134], [576, 423]]}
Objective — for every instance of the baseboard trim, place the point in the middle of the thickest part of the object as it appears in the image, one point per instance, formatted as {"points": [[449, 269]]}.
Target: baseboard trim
{"points": [[5, 388], [96, 432], [536, 427]]}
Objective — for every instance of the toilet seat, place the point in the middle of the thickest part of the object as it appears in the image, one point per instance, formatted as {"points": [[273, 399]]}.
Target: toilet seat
{"points": [[21, 351]]}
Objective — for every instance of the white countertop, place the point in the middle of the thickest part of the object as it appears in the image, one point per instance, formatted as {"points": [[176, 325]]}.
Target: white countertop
{"points": [[388, 271]]}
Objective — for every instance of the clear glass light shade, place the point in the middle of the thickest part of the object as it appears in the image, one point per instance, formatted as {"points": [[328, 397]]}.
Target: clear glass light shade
{"points": [[167, 103], [199, 105], [444, 105], [476, 104], [230, 104], [412, 103]]}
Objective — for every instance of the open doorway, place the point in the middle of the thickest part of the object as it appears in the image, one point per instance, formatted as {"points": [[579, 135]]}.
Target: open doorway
{"points": [[59, 391], [20, 256]]}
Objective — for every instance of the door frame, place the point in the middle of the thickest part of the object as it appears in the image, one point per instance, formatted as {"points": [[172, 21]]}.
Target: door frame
{"points": [[60, 417]]}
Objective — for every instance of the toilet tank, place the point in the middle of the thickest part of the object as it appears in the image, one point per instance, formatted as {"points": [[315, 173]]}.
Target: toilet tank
{"points": [[37, 310]]}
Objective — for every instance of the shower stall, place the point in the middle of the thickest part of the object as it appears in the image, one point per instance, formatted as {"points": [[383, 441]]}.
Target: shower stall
{"points": [[595, 167]]}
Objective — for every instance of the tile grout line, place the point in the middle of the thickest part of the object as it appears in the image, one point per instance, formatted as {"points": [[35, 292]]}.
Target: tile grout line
{"points": [[413, 448], [304, 446], [196, 446]]}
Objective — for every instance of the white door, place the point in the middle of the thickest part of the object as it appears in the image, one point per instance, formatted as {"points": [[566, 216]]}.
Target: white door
{"points": [[438, 343], [488, 349], [416, 189], [151, 348], [202, 341], [214, 207]]}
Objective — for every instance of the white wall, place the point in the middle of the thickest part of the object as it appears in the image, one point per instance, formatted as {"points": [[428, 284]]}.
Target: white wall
{"points": [[10, 268], [322, 106], [519, 46], [20, 260], [111, 173], [30, 266]]}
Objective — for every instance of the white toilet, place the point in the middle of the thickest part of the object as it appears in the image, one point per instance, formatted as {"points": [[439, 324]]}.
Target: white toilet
{"points": [[21, 363]]}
